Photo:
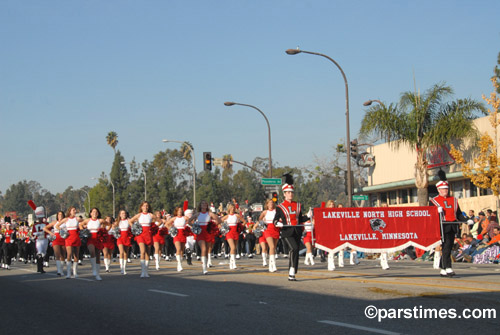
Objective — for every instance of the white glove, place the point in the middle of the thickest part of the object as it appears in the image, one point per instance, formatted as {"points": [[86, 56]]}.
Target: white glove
{"points": [[440, 209], [470, 222], [279, 224]]}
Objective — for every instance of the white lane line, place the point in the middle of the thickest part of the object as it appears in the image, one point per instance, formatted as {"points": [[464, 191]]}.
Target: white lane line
{"points": [[170, 293], [368, 329], [53, 274]]}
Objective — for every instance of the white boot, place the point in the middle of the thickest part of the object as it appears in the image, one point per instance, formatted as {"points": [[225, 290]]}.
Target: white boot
{"points": [[157, 262], [272, 264], [383, 261], [311, 259], [93, 264], [331, 262], [306, 261], [75, 272], [437, 258], [204, 264], [121, 266], [59, 268], [341, 259], [146, 268], [264, 261], [124, 267], [209, 261], [232, 262], [68, 270], [97, 271], [353, 259], [106, 263], [179, 262], [143, 266]]}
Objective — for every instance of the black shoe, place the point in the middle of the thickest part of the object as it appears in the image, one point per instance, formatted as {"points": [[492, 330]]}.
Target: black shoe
{"points": [[450, 274], [42, 272], [291, 278]]}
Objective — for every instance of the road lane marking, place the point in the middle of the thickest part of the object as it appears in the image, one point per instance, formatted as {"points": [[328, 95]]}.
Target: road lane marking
{"points": [[52, 274], [169, 293], [368, 329]]}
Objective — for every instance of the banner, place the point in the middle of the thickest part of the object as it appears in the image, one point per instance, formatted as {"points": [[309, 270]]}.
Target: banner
{"points": [[377, 229]]}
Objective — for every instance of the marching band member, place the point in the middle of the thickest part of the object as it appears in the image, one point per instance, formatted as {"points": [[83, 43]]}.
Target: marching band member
{"points": [[450, 211], [108, 245], [158, 238], [41, 238], [190, 241], [57, 244], [145, 239], [271, 234], [178, 220], [124, 242], [9, 237], [73, 241], [203, 217], [234, 221], [94, 243], [288, 215], [308, 243]]}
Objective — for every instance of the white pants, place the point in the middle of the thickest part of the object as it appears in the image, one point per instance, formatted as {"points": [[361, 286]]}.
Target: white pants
{"points": [[41, 246], [190, 242]]}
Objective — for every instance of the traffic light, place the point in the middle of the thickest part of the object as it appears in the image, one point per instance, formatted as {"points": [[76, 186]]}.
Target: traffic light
{"points": [[354, 148], [207, 161], [275, 197]]}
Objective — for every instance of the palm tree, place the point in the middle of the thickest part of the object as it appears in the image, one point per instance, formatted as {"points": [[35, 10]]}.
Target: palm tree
{"points": [[112, 140], [186, 150], [422, 122]]}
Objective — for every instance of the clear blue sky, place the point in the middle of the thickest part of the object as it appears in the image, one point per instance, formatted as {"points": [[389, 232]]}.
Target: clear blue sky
{"points": [[71, 71]]}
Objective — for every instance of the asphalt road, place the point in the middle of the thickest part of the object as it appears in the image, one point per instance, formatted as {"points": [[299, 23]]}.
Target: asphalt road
{"points": [[251, 300]]}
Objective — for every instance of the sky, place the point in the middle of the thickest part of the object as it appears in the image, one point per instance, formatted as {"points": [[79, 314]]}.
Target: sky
{"points": [[72, 71]]}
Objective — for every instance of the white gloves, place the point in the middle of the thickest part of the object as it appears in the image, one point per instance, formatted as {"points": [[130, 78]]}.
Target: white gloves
{"points": [[440, 209], [279, 224]]}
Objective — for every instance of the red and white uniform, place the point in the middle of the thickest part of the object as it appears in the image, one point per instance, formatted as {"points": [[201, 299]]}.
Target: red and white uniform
{"points": [[93, 226], [38, 231], [59, 240], [308, 228], [8, 236], [73, 239], [180, 224], [125, 237], [159, 238], [272, 230], [109, 240], [232, 222], [203, 220], [450, 211], [145, 237], [291, 210]]}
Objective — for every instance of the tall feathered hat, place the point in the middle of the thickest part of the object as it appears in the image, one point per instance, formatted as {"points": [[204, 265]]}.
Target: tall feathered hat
{"points": [[442, 183], [288, 186]]}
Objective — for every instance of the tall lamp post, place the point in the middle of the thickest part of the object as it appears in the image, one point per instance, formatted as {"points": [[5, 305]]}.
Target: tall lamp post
{"points": [[348, 136], [194, 165], [145, 181], [229, 103]]}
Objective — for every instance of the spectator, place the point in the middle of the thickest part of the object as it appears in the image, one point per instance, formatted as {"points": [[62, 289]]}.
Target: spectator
{"points": [[491, 226]]}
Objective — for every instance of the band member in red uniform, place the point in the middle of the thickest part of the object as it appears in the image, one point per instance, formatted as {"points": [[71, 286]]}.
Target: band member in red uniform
{"points": [[271, 234], [109, 241], [125, 240], [41, 238], [158, 238], [94, 243], [57, 244], [145, 239], [73, 241], [204, 217], [234, 220], [8, 243], [450, 211], [288, 215]]}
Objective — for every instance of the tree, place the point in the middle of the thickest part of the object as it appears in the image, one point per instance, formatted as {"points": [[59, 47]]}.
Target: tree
{"points": [[120, 179], [112, 140], [422, 122], [484, 170]]}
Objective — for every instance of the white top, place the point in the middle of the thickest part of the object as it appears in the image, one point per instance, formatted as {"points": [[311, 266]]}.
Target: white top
{"points": [[180, 222], [123, 225], [145, 220], [57, 230], [232, 220], [269, 216], [72, 224], [204, 219], [93, 225]]}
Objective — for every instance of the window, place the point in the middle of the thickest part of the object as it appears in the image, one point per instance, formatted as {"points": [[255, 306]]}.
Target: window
{"points": [[485, 191], [383, 197], [473, 189], [404, 196], [373, 200], [413, 195], [457, 189], [393, 198]]}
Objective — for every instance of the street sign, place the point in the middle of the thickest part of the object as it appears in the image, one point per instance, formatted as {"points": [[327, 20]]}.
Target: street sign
{"points": [[270, 181], [217, 161], [359, 197]]}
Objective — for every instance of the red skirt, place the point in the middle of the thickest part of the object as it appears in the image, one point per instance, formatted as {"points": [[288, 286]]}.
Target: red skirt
{"points": [[233, 233], [204, 235], [109, 243], [262, 239], [73, 239], [308, 238], [145, 236], [272, 231], [125, 239], [159, 238], [94, 240], [181, 236], [59, 240]]}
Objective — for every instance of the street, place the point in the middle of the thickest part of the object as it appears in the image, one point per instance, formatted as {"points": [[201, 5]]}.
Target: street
{"points": [[250, 300]]}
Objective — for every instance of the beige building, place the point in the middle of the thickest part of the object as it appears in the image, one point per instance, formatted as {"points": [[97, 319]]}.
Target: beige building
{"points": [[392, 179]]}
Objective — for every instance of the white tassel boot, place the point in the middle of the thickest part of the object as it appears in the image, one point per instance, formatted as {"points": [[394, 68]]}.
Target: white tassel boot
{"points": [[157, 262], [331, 262], [341, 259], [204, 264], [437, 259], [264, 259], [179, 262]]}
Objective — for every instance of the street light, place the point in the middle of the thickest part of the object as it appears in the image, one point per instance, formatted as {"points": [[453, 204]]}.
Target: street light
{"points": [[194, 165], [348, 139], [228, 103], [145, 181]]}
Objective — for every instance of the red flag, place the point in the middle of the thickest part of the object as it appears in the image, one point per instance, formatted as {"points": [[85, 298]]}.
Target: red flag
{"points": [[32, 204], [186, 205]]}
